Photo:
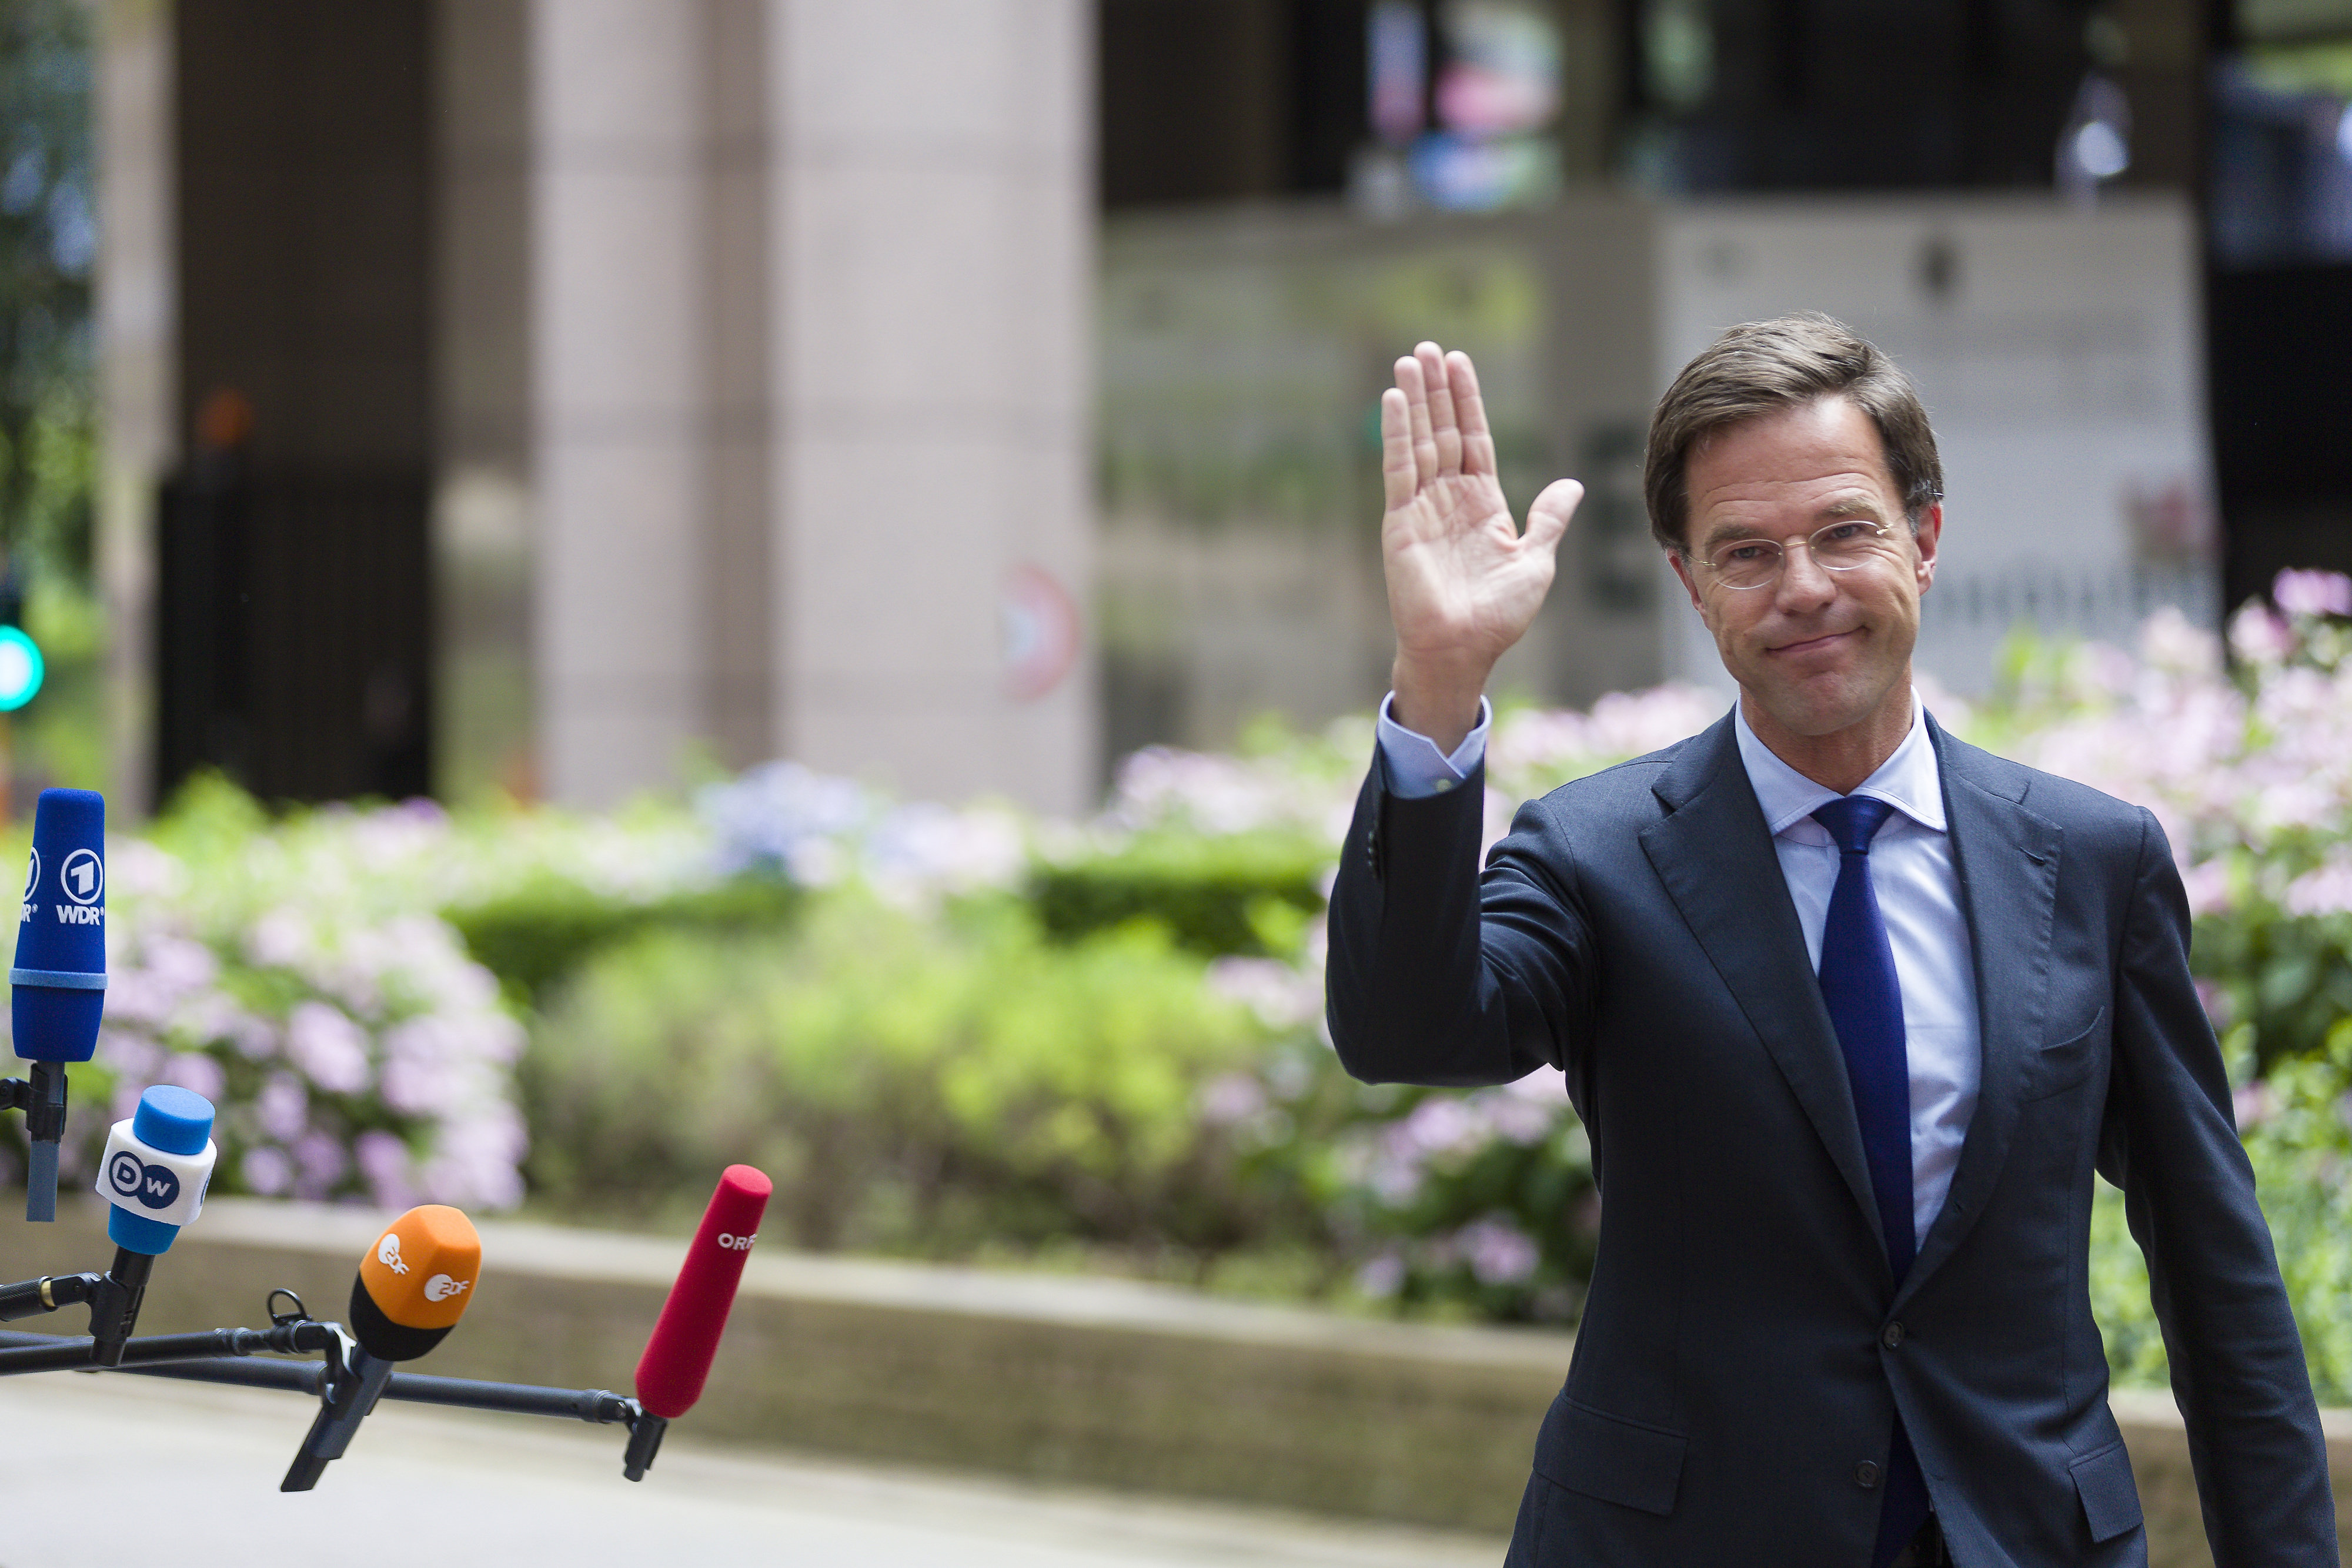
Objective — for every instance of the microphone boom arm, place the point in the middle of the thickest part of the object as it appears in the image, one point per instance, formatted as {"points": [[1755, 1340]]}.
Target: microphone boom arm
{"points": [[218, 1355], [114, 1298]]}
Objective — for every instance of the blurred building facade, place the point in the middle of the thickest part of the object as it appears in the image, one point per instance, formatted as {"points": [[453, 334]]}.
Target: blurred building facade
{"points": [[2279, 188], [2007, 195], [1243, 350], [580, 387], [569, 393]]}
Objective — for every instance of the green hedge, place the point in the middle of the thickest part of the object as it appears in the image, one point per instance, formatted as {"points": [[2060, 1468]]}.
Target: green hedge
{"points": [[532, 937], [1242, 892]]}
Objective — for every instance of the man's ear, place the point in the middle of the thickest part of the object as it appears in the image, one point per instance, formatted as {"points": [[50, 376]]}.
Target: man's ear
{"points": [[1682, 569], [1926, 538]]}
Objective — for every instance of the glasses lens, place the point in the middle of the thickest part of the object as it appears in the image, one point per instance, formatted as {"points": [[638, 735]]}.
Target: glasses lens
{"points": [[1751, 563], [1842, 547]]}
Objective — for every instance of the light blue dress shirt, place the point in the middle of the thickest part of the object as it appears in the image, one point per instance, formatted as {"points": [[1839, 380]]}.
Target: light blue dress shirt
{"points": [[1415, 766], [1919, 896]]}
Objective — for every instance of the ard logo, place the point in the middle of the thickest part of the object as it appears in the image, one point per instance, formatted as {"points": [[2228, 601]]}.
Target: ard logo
{"points": [[84, 876]]}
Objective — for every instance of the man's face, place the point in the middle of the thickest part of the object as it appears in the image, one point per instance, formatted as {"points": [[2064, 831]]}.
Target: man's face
{"points": [[1816, 650]]}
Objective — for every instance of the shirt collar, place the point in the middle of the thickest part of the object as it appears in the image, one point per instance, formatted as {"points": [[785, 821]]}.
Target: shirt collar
{"points": [[1908, 780]]}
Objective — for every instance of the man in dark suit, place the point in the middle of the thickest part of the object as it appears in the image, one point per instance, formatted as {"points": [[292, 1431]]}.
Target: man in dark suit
{"points": [[1852, 1011]]}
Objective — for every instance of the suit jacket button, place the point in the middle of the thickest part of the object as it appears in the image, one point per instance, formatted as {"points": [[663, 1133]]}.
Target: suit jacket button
{"points": [[1865, 1474], [1893, 1335]]}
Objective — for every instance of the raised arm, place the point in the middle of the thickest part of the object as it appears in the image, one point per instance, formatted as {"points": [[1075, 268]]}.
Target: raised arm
{"points": [[1411, 995], [1464, 582]]}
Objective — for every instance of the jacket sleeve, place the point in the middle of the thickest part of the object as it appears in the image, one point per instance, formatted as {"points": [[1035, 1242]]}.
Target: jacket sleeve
{"points": [[1431, 980], [2171, 1141]]}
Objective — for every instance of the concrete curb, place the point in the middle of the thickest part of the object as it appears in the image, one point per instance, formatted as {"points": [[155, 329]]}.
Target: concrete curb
{"points": [[1087, 1381]]}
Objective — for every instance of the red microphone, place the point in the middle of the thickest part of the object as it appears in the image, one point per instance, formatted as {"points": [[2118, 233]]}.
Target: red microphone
{"points": [[676, 1361]]}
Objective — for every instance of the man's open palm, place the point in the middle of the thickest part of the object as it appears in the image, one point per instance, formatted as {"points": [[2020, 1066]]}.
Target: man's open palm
{"points": [[1464, 582]]}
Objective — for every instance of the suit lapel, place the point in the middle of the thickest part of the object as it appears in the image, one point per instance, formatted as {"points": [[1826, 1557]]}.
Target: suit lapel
{"points": [[1716, 859], [2005, 858]]}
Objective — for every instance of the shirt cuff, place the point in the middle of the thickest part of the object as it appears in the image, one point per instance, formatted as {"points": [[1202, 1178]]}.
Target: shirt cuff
{"points": [[1416, 768]]}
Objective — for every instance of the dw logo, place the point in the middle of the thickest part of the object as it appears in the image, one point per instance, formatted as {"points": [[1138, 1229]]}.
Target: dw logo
{"points": [[153, 1186]]}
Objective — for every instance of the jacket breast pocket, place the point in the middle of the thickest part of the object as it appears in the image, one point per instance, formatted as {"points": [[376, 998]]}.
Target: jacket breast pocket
{"points": [[1606, 1457], [2061, 1064]]}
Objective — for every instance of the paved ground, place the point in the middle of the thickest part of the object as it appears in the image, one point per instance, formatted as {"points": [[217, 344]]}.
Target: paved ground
{"points": [[186, 1475]]}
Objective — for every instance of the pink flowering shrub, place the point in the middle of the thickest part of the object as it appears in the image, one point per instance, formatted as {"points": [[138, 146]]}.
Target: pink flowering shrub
{"points": [[297, 974], [353, 1049], [305, 973], [1483, 1200], [816, 831]]}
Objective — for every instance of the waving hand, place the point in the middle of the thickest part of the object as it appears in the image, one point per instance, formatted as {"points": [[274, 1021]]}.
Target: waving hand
{"points": [[1464, 582]]}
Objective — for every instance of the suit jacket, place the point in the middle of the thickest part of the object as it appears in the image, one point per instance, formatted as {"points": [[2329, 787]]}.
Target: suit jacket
{"points": [[1744, 1349]]}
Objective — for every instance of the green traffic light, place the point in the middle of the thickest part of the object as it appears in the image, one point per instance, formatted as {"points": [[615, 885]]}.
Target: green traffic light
{"points": [[21, 669]]}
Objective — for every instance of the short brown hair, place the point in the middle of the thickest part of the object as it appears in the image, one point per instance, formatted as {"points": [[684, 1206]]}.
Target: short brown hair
{"points": [[1762, 367]]}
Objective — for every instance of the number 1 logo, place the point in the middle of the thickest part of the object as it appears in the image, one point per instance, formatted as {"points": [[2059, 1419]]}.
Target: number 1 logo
{"points": [[84, 875]]}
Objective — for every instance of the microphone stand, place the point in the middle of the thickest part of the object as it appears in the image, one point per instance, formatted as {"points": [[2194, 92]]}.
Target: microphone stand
{"points": [[41, 1095], [218, 1355], [113, 1300], [61, 1353], [345, 1403]]}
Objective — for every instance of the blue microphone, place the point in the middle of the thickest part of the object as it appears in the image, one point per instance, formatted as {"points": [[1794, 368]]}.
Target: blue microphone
{"points": [[58, 980]]}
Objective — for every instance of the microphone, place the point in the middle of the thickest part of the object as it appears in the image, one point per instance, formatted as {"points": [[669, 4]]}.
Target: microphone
{"points": [[157, 1166], [59, 979], [413, 1287], [676, 1361]]}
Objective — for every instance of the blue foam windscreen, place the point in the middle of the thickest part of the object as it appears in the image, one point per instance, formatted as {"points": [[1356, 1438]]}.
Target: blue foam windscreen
{"points": [[58, 982]]}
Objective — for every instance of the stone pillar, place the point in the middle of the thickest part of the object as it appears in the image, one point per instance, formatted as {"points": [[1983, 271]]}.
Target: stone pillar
{"points": [[137, 367], [738, 621], [931, 219], [618, 390], [811, 287], [485, 720]]}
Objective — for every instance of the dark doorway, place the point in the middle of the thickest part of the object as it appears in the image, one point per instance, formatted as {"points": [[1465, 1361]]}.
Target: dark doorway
{"points": [[294, 603]]}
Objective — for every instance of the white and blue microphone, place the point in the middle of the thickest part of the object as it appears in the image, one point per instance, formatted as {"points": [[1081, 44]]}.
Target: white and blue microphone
{"points": [[58, 983], [158, 1163]]}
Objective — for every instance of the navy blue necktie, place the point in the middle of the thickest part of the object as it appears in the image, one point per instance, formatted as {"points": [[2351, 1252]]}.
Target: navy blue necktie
{"points": [[1865, 1007]]}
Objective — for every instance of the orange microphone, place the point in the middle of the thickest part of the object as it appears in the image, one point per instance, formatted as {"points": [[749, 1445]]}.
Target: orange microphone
{"points": [[414, 1285]]}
